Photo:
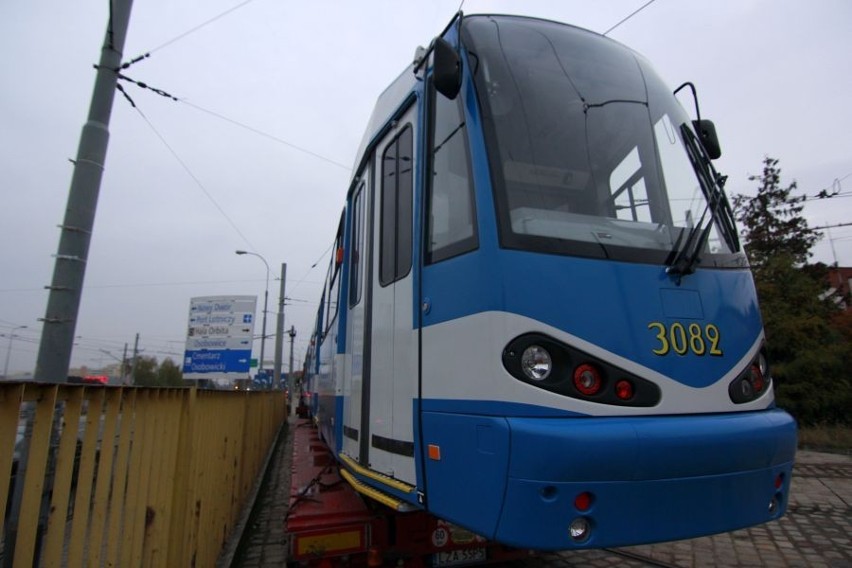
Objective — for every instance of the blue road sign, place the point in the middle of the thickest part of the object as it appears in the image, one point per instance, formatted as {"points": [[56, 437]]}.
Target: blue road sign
{"points": [[217, 361], [219, 336]]}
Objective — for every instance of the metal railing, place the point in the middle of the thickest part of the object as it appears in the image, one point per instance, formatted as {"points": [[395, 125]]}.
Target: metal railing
{"points": [[123, 476]]}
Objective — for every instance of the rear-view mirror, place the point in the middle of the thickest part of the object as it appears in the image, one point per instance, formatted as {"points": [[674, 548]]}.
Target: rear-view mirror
{"points": [[706, 131], [446, 70]]}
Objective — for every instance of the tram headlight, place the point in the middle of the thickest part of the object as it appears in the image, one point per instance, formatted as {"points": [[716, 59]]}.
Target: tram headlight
{"points": [[774, 504], [753, 382], [579, 529], [763, 364], [552, 365], [536, 363], [746, 389]]}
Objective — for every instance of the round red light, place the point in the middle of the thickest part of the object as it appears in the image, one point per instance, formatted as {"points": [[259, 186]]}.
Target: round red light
{"points": [[756, 378], [779, 481], [624, 389], [583, 501], [587, 379]]}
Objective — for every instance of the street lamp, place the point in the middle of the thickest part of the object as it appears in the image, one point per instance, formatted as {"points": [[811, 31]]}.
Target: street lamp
{"points": [[265, 299], [9, 350]]}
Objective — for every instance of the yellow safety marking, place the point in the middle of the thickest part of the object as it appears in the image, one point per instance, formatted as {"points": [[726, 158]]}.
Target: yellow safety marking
{"points": [[383, 479], [382, 498], [333, 542]]}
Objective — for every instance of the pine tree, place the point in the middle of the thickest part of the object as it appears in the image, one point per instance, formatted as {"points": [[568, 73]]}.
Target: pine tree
{"points": [[773, 220], [807, 353]]}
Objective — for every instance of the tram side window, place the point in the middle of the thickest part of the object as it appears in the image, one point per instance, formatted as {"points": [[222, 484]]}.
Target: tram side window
{"points": [[397, 178], [333, 280], [320, 314], [357, 249], [451, 207]]}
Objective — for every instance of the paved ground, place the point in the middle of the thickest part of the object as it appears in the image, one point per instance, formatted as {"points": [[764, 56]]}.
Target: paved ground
{"points": [[817, 530], [264, 543]]}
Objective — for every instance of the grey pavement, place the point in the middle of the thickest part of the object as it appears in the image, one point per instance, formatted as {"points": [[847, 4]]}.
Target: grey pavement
{"points": [[264, 542], [814, 533]]}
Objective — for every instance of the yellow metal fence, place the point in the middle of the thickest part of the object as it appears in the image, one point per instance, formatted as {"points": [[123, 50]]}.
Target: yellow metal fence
{"points": [[122, 476]]}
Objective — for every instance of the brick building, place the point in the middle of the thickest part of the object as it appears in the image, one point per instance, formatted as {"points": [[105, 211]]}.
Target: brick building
{"points": [[840, 279]]}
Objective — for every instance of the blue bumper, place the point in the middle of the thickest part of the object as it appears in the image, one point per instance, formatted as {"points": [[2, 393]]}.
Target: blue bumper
{"points": [[651, 479]]}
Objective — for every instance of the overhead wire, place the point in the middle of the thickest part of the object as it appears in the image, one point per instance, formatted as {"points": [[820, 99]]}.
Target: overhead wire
{"points": [[186, 283], [154, 284], [161, 92], [824, 197], [832, 226], [19, 337], [645, 5], [14, 324], [195, 179], [186, 33], [834, 190], [265, 134], [313, 266], [218, 115]]}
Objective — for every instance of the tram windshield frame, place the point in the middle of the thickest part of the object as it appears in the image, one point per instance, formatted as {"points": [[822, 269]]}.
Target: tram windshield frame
{"points": [[590, 153]]}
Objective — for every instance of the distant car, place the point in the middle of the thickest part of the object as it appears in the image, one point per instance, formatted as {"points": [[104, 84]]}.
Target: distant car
{"points": [[88, 380], [95, 380]]}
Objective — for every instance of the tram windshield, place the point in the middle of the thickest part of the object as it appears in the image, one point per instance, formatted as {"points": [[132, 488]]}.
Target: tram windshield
{"points": [[590, 153]]}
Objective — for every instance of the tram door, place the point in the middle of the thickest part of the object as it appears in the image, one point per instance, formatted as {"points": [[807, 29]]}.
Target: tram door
{"points": [[354, 368], [387, 442]]}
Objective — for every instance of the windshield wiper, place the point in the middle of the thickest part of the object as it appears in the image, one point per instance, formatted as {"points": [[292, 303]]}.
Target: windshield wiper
{"points": [[689, 256], [686, 261]]}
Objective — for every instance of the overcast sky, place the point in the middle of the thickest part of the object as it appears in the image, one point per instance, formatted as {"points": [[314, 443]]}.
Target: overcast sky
{"points": [[773, 75]]}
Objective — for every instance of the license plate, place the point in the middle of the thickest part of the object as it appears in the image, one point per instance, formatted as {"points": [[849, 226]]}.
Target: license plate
{"points": [[459, 557]]}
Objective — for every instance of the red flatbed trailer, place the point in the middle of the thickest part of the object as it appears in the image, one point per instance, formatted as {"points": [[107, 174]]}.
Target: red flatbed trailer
{"points": [[330, 524]]}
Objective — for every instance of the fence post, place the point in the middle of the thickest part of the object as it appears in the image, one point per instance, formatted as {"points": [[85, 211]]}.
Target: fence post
{"points": [[183, 537], [63, 480], [101, 502], [33, 468], [116, 541], [10, 405]]}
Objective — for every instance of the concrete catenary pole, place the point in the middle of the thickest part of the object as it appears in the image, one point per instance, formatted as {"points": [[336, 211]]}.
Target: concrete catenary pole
{"points": [[123, 372], [135, 360], [63, 303], [291, 379], [279, 330]]}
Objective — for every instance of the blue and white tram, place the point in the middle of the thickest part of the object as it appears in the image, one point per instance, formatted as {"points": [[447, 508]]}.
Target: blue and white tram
{"points": [[539, 323]]}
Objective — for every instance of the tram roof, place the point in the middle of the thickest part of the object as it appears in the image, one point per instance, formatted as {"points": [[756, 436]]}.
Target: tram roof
{"points": [[387, 105]]}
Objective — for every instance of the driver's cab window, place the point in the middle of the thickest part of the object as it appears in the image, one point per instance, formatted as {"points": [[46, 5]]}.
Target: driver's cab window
{"points": [[627, 186]]}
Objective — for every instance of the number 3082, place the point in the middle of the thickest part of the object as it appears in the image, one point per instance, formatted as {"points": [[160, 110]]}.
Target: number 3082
{"points": [[682, 339]]}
